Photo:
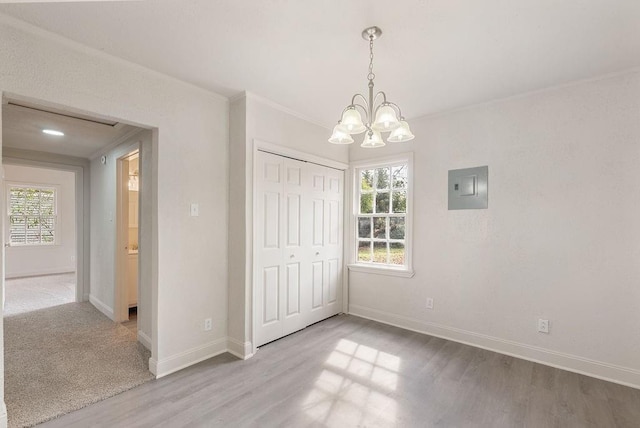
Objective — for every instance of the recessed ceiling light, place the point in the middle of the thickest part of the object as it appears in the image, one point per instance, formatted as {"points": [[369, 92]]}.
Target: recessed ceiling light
{"points": [[53, 132]]}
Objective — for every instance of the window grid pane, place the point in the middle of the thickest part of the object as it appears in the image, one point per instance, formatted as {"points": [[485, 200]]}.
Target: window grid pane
{"points": [[364, 251], [382, 215], [32, 219]]}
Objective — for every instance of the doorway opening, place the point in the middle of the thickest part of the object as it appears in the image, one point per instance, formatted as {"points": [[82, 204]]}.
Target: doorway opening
{"points": [[83, 339], [128, 185], [40, 238]]}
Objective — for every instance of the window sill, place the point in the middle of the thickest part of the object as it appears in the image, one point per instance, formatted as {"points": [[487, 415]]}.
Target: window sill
{"points": [[381, 270]]}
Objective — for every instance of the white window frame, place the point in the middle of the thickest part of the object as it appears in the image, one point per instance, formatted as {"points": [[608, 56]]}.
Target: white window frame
{"points": [[56, 220], [379, 268]]}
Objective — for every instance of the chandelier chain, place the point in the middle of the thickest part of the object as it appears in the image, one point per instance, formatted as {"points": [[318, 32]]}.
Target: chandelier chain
{"points": [[371, 75]]}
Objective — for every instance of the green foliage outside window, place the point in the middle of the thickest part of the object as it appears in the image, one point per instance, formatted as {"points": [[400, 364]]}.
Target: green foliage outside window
{"points": [[381, 220], [32, 217]]}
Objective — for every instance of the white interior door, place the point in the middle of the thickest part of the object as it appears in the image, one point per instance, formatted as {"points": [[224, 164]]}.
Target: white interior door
{"points": [[327, 190], [269, 251], [298, 272]]}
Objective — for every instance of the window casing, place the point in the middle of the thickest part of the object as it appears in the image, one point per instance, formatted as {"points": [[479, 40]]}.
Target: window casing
{"points": [[32, 214], [382, 222]]}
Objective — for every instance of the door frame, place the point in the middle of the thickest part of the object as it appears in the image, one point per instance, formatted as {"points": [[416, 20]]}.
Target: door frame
{"points": [[121, 305], [252, 185], [82, 212]]}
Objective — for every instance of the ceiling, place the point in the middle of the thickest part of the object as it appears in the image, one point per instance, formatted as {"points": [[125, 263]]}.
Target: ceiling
{"points": [[84, 136], [434, 55]]}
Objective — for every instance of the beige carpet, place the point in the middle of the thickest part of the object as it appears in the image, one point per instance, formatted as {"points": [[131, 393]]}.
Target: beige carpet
{"points": [[66, 357], [38, 292]]}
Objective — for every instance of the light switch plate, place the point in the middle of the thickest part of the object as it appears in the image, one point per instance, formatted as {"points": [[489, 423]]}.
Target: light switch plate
{"points": [[194, 210], [469, 188]]}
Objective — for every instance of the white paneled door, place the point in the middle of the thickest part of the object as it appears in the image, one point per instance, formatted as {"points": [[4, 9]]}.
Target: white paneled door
{"points": [[298, 275]]}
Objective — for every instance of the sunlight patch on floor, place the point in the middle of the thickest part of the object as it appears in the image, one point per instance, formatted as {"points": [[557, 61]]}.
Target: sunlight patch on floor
{"points": [[354, 387]]}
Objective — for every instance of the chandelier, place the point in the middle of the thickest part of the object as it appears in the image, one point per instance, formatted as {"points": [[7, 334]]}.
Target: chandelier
{"points": [[386, 116]]}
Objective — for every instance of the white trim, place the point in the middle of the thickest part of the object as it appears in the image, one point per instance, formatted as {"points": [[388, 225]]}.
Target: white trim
{"points": [[187, 358], [276, 149], [520, 95], [79, 47], [573, 363], [144, 339], [153, 366], [381, 270], [101, 306], [242, 350], [276, 106], [42, 272], [407, 270], [4, 421]]}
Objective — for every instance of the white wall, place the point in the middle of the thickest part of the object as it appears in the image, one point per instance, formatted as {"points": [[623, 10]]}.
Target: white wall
{"points": [[190, 162], [560, 239], [104, 231], [254, 118], [42, 260]]}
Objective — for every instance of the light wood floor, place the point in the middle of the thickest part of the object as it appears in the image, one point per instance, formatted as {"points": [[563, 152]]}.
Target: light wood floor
{"points": [[351, 372]]}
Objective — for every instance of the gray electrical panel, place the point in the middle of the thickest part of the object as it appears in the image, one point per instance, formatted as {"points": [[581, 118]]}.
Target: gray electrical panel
{"points": [[468, 188]]}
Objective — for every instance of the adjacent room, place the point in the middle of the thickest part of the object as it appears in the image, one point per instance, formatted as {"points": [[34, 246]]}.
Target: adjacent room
{"points": [[340, 214], [85, 350]]}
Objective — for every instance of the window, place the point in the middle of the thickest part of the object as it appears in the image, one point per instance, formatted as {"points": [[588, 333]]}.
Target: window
{"points": [[32, 215], [382, 215]]}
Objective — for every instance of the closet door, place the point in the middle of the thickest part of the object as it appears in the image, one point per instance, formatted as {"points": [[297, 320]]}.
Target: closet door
{"points": [[269, 248], [296, 240], [298, 245], [333, 248], [326, 242]]}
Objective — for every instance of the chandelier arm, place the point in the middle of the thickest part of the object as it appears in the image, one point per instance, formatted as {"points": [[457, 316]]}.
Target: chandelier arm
{"points": [[366, 103], [364, 107], [384, 97]]}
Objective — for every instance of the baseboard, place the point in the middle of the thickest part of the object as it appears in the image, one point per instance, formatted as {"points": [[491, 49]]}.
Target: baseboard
{"points": [[187, 358], [3, 416], [102, 307], [40, 272], [573, 363], [242, 350], [144, 339]]}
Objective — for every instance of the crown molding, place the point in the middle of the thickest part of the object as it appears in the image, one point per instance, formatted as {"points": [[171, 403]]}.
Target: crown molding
{"points": [[534, 92], [276, 106]]}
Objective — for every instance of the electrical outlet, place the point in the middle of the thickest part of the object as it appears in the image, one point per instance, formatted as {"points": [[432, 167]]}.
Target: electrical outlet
{"points": [[207, 324], [543, 326], [429, 303]]}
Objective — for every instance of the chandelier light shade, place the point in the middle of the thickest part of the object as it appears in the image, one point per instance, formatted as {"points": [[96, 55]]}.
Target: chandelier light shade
{"points": [[340, 137], [372, 140], [401, 133], [380, 115], [351, 122]]}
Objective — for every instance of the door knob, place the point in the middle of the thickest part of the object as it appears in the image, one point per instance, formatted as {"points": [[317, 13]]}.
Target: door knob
{"points": [[7, 244], [291, 256], [317, 253]]}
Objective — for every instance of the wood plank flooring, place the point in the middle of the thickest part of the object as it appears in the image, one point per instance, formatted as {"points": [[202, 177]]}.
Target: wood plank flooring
{"points": [[351, 372]]}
